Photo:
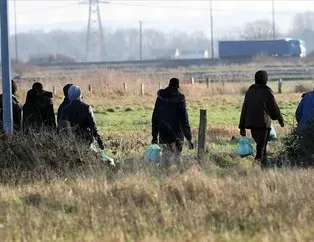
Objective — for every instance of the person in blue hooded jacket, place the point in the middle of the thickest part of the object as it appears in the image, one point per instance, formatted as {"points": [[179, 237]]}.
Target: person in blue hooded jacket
{"points": [[305, 112], [66, 102], [170, 119]]}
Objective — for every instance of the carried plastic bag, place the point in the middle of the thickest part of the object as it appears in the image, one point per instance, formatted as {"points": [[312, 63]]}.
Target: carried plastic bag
{"points": [[245, 148], [103, 157], [272, 134], [153, 153]]}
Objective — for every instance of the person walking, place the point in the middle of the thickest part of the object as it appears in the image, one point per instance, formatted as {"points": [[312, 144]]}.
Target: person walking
{"points": [[79, 117], [170, 121], [38, 112], [16, 109], [258, 109]]}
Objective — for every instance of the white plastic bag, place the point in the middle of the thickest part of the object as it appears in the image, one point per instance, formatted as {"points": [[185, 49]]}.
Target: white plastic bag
{"points": [[101, 154]]}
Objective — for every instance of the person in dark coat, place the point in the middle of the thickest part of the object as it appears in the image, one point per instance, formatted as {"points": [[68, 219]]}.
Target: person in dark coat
{"points": [[80, 117], [38, 110], [170, 119], [259, 108], [66, 101], [16, 109]]}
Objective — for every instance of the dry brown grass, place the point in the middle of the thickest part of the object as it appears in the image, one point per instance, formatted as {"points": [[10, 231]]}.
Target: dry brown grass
{"points": [[193, 206]]}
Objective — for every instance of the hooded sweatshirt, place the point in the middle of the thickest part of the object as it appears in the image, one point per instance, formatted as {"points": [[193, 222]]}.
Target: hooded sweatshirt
{"points": [[305, 111], [259, 106], [170, 118]]}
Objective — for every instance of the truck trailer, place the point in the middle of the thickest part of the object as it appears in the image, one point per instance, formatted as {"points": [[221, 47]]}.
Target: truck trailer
{"points": [[252, 48]]}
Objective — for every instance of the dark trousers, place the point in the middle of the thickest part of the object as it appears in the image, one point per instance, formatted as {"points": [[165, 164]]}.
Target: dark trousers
{"points": [[261, 136]]}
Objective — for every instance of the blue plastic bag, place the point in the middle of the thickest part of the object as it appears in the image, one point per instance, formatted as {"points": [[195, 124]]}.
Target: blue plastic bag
{"points": [[245, 148], [272, 134], [153, 153]]}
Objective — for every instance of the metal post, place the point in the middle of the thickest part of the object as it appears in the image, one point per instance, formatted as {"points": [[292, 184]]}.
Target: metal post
{"points": [[211, 29], [6, 70], [141, 40]]}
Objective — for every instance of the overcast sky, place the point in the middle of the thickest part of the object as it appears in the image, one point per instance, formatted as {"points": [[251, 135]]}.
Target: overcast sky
{"points": [[186, 16]]}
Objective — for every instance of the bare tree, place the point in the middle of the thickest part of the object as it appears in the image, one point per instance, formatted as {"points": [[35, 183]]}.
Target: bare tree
{"points": [[303, 22], [258, 30]]}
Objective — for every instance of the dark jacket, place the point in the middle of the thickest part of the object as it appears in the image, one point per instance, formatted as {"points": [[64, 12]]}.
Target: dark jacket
{"points": [[170, 118], [81, 118], [38, 111], [259, 108], [64, 104], [17, 113], [305, 111]]}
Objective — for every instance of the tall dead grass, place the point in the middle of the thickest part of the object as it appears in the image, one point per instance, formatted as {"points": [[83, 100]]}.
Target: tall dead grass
{"points": [[193, 206]]}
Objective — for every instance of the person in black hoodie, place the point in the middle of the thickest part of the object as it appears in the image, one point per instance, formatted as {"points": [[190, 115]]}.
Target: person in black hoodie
{"points": [[65, 103], [38, 110], [16, 109], [259, 108], [170, 119]]}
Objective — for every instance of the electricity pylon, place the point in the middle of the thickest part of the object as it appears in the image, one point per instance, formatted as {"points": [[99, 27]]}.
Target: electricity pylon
{"points": [[94, 49]]}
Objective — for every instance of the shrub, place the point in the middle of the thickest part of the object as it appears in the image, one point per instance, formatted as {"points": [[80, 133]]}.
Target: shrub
{"points": [[26, 158], [298, 149], [302, 88]]}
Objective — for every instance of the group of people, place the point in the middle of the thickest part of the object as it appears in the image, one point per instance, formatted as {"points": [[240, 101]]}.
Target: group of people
{"points": [[170, 120], [37, 114]]}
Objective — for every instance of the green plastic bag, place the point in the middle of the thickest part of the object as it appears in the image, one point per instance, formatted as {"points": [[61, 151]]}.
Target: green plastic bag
{"points": [[272, 134], [153, 153], [245, 148]]}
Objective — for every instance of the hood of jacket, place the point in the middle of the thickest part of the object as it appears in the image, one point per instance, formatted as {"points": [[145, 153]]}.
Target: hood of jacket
{"points": [[171, 95], [259, 86]]}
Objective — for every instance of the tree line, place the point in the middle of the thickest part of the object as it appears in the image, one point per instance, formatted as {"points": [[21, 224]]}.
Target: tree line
{"points": [[124, 43]]}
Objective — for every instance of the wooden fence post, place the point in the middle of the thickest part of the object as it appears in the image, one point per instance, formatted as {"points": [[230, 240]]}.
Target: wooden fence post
{"points": [[90, 88], [142, 89], [192, 80], [125, 87], [280, 85], [54, 91], [207, 82], [202, 134]]}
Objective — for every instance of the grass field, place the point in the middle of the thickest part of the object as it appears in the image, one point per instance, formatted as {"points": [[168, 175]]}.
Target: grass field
{"points": [[222, 198]]}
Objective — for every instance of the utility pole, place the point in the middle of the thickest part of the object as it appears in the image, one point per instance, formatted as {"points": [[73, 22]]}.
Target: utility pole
{"points": [[141, 40], [15, 31], [6, 70], [211, 29], [94, 34], [273, 14]]}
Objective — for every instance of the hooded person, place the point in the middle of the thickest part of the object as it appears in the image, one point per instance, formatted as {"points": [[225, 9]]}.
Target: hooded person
{"points": [[80, 117], [258, 109], [16, 109], [38, 112], [65, 102], [170, 121], [305, 113]]}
